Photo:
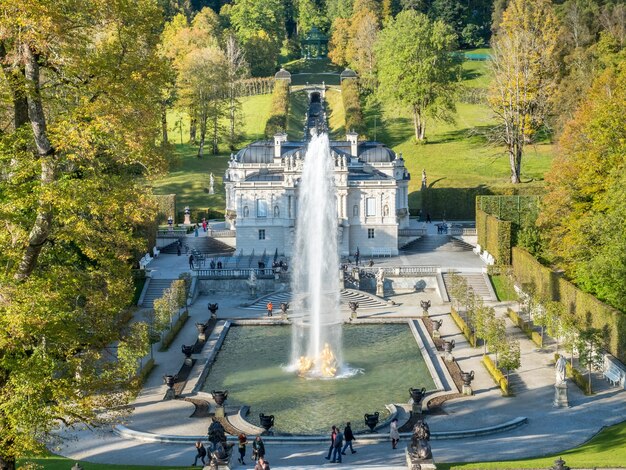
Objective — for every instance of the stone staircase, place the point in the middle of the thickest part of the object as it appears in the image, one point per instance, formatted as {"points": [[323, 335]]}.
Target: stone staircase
{"points": [[431, 243], [155, 290], [347, 295], [201, 244], [477, 281]]}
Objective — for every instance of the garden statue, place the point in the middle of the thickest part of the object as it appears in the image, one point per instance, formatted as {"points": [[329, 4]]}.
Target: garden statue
{"points": [[448, 346], [216, 432], [353, 306], [380, 282], [436, 325], [420, 447], [187, 215], [424, 182], [559, 368], [211, 184], [252, 284], [560, 387], [467, 378]]}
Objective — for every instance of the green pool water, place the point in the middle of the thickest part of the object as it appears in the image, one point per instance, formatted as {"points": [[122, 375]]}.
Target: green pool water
{"points": [[252, 362]]}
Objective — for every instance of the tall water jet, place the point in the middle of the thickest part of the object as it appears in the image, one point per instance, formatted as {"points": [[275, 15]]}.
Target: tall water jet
{"points": [[316, 337]]}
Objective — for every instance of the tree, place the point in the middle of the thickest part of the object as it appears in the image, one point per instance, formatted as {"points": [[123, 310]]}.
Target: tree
{"points": [[590, 351], [360, 48], [339, 40], [132, 348], [236, 69], [582, 210], [525, 72], [483, 318], [416, 67], [179, 292], [71, 206], [510, 357], [496, 337]]}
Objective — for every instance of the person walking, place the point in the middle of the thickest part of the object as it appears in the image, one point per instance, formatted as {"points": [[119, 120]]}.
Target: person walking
{"points": [[191, 261], [393, 433], [258, 448], [262, 464], [270, 307], [333, 434], [337, 444], [200, 455], [242, 448], [349, 437]]}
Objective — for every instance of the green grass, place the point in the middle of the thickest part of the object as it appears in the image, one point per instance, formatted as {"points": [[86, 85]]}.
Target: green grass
{"points": [[503, 288], [298, 102], [606, 449], [188, 176], [56, 462], [336, 114]]}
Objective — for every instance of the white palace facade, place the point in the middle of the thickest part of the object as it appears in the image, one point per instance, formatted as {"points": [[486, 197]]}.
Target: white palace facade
{"points": [[261, 185]]}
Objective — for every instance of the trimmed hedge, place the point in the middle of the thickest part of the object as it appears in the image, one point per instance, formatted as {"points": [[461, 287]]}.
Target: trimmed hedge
{"points": [[166, 207], [277, 121], [579, 379], [525, 327], [171, 334], [467, 332], [352, 106], [144, 373], [497, 375], [494, 235], [590, 312]]}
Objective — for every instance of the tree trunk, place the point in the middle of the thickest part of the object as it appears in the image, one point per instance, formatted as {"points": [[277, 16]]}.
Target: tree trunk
{"points": [[192, 130], [215, 140], [7, 464], [15, 78], [201, 147], [418, 124], [203, 126], [43, 222], [515, 161], [165, 138], [232, 119]]}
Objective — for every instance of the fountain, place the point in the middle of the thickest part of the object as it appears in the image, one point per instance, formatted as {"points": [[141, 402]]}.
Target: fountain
{"points": [[316, 336]]}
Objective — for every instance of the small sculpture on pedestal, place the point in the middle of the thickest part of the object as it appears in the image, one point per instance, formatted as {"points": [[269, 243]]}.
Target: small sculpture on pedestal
{"points": [[220, 397], [187, 350], [353, 307], [425, 304], [417, 395], [252, 284], [419, 453], [284, 306], [380, 282], [436, 325], [213, 309], [170, 380], [467, 378], [560, 386], [187, 215], [448, 346], [211, 184]]}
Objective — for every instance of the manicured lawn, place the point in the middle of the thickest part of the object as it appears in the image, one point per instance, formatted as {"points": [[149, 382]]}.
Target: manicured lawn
{"points": [[503, 289], [298, 102], [606, 449], [188, 176], [55, 462]]}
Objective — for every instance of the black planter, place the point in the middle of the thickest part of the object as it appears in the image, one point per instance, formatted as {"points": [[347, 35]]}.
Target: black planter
{"points": [[267, 421], [467, 377], [169, 380], [425, 304], [417, 394], [187, 350], [219, 396], [201, 328], [437, 324], [353, 306], [448, 346], [371, 420], [213, 309]]}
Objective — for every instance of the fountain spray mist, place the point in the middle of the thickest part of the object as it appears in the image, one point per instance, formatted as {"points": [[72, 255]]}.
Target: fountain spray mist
{"points": [[314, 282]]}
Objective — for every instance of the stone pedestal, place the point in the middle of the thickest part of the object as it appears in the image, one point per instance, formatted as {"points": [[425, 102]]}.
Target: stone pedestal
{"points": [[448, 357], [187, 219], [417, 410], [380, 289], [560, 395], [170, 394], [188, 361], [219, 412], [467, 390], [436, 334], [414, 464]]}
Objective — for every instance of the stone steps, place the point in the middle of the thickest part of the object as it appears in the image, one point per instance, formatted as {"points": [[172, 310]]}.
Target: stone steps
{"points": [[365, 300], [155, 290], [474, 280], [432, 243], [203, 245]]}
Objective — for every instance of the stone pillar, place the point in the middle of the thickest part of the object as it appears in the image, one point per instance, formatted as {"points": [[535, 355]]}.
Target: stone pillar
{"points": [[560, 395]]}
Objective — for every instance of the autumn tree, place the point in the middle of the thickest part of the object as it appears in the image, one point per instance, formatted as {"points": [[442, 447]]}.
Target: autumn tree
{"points": [[583, 211], [525, 71], [91, 79], [417, 68], [236, 70], [364, 28]]}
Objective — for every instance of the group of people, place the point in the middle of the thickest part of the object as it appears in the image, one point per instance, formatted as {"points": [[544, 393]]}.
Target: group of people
{"points": [[337, 446], [258, 452]]}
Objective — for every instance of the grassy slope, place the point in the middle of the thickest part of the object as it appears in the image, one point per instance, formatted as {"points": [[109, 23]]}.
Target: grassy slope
{"points": [[605, 450], [189, 176], [456, 155]]}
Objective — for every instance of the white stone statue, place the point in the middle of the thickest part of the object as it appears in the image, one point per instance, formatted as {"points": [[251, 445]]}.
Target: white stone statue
{"points": [[559, 369], [380, 276], [211, 184], [252, 283]]}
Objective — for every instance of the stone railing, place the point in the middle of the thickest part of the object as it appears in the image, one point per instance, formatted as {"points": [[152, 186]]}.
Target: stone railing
{"points": [[463, 231], [411, 232], [233, 273], [174, 233], [222, 233], [403, 271]]}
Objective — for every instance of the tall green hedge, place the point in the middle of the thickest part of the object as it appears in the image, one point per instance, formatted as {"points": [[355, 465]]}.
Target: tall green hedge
{"points": [[494, 235], [352, 106], [166, 207], [591, 312], [277, 121]]}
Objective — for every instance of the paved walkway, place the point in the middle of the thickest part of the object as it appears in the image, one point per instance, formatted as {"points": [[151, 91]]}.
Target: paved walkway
{"points": [[549, 430]]}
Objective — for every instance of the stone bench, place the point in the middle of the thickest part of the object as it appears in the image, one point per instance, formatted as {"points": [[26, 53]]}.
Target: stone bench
{"points": [[381, 251], [477, 250], [613, 374], [145, 261]]}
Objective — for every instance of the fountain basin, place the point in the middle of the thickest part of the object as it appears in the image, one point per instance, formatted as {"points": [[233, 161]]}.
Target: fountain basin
{"points": [[383, 362]]}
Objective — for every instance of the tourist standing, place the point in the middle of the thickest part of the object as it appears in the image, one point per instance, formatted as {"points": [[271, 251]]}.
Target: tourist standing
{"points": [[191, 261], [338, 443], [170, 222], [357, 255], [393, 433], [270, 308], [200, 455], [262, 464], [204, 224], [258, 448], [333, 434], [349, 437], [242, 448]]}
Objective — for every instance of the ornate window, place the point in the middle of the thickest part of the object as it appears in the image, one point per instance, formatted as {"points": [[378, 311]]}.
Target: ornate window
{"points": [[261, 208], [370, 207]]}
